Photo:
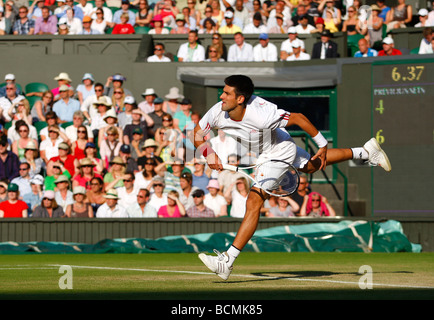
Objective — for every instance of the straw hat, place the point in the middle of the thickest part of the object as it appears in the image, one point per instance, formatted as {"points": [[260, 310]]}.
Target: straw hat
{"points": [[111, 194], [174, 94], [63, 76], [86, 162]]}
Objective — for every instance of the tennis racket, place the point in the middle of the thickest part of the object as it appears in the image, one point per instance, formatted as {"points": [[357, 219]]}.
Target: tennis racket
{"points": [[276, 177]]}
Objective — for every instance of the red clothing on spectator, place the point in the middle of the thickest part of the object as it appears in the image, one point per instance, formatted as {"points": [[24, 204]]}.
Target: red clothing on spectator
{"points": [[123, 29], [68, 164], [395, 52], [13, 210]]}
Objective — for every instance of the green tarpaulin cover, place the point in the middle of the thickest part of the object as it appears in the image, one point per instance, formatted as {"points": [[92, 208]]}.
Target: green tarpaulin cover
{"points": [[344, 236]]}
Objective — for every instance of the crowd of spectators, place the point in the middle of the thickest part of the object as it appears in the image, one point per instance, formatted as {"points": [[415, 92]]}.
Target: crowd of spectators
{"points": [[96, 151], [366, 26]]}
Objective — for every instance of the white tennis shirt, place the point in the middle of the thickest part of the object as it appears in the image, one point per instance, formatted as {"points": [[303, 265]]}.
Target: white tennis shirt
{"points": [[261, 130]]}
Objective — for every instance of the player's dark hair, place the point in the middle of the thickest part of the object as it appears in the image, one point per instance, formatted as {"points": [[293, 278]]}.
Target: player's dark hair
{"points": [[243, 86]]}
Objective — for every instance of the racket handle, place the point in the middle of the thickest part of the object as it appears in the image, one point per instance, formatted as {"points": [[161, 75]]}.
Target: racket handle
{"points": [[230, 167]]}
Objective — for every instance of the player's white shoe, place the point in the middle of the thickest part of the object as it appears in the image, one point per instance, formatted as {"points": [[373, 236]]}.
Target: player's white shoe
{"points": [[218, 265], [377, 156]]}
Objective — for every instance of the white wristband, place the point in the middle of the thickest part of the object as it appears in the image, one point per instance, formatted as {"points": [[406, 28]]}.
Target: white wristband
{"points": [[320, 140]]}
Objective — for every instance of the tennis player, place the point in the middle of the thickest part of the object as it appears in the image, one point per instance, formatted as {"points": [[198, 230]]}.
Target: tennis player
{"points": [[259, 124]]}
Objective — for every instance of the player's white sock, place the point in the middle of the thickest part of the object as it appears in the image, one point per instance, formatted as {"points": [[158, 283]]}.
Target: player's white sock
{"points": [[233, 254], [360, 153]]}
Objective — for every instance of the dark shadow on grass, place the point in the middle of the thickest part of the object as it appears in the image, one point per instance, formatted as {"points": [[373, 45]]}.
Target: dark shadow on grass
{"points": [[279, 275]]}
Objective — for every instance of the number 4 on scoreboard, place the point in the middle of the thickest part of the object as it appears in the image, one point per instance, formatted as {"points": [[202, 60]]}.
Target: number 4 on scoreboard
{"points": [[380, 107]]}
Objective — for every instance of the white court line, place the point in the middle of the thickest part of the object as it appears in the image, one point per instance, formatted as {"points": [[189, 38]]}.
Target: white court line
{"points": [[55, 266], [252, 276]]}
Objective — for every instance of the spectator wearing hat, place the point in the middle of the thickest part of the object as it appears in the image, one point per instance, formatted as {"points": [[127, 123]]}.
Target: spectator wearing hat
{"points": [[65, 106], [48, 207], [265, 51], [79, 208], [158, 197], [62, 28], [423, 18], [85, 174], [149, 152], [115, 82], [325, 48], [181, 26], [157, 116], [62, 79], [240, 51], [201, 177], [31, 156], [158, 56], [11, 98], [181, 118], [87, 27], [102, 105], [88, 108], [319, 25], [111, 120], [13, 207], [23, 180], [297, 53], [192, 50], [171, 105], [125, 116], [136, 122], [256, 26], [111, 208], [46, 23], [141, 207], [110, 147], [86, 88], [34, 198], [147, 105], [157, 25], [69, 161], [62, 192], [125, 9], [425, 46], [91, 152], [199, 209], [9, 162], [214, 200], [286, 46], [130, 163], [389, 48], [137, 143], [10, 78], [229, 27], [115, 173]]}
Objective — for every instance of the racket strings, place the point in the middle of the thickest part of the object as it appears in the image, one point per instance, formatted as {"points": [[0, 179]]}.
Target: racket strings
{"points": [[276, 181]]}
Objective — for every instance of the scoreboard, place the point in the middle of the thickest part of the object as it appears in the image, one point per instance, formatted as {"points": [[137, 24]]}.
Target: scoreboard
{"points": [[403, 123]]}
